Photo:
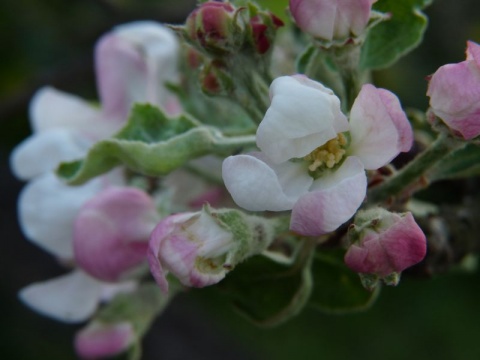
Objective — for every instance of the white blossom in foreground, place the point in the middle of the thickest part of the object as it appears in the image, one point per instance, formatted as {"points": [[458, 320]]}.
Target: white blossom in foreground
{"points": [[312, 159], [133, 63]]}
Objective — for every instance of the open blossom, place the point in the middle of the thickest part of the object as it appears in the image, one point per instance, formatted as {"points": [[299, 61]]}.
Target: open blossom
{"points": [[454, 92], [331, 19], [133, 63], [111, 232], [386, 244], [312, 159]]}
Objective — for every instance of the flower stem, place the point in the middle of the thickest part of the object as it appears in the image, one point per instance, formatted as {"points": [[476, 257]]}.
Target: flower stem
{"points": [[415, 169], [236, 143]]}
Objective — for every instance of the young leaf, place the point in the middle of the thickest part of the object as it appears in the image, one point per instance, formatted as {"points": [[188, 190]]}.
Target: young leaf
{"points": [[150, 144], [268, 292], [337, 289], [394, 38], [462, 163]]}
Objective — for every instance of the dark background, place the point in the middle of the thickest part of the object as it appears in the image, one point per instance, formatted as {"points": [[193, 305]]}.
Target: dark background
{"points": [[50, 42]]}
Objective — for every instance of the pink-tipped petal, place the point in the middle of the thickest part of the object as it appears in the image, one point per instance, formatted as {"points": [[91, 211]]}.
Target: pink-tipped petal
{"points": [[133, 64], [379, 127], [333, 200], [331, 19], [98, 340]]}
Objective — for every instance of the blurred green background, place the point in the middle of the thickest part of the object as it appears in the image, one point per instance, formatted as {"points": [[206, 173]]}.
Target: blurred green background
{"points": [[51, 42]]}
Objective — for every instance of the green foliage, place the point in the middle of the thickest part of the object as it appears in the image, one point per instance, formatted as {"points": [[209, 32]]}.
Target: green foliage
{"points": [[394, 38], [337, 289], [268, 292], [151, 144], [462, 163]]}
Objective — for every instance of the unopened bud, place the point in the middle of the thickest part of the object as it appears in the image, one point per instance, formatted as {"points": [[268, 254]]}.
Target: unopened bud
{"points": [[200, 248], [215, 80], [383, 244], [263, 28], [215, 28]]}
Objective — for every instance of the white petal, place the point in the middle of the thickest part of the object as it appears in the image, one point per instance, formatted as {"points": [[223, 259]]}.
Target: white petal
{"points": [[300, 118], [333, 200], [71, 298], [47, 208], [51, 108], [256, 186], [42, 152]]}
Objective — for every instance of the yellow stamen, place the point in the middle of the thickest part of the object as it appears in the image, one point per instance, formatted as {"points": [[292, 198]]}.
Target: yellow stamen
{"points": [[328, 154]]}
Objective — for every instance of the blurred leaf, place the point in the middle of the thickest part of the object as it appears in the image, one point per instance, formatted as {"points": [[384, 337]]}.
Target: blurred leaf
{"points": [[394, 38], [268, 292], [151, 144], [462, 163], [336, 288]]}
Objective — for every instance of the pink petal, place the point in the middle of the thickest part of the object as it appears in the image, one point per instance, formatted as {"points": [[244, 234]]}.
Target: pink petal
{"points": [[454, 92], [111, 232], [379, 127], [133, 63], [99, 340], [333, 200], [399, 247], [473, 52]]}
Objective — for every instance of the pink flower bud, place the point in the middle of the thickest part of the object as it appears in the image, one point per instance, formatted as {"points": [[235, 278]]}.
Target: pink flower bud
{"points": [[263, 30], [111, 232], [212, 27], [454, 92], [384, 243], [99, 340], [193, 246], [331, 19]]}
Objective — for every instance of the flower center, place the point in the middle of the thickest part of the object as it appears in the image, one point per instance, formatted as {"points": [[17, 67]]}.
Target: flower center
{"points": [[328, 155]]}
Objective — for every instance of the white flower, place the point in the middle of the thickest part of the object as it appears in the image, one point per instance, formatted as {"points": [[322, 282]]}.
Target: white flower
{"points": [[312, 160], [133, 63]]}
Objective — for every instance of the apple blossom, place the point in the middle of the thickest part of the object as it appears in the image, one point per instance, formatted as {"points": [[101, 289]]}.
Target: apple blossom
{"points": [[200, 248], [383, 244], [111, 232], [130, 64], [454, 91], [312, 160], [331, 19], [99, 340]]}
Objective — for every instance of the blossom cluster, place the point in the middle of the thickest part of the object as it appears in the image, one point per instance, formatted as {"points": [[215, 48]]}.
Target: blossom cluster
{"points": [[285, 161]]}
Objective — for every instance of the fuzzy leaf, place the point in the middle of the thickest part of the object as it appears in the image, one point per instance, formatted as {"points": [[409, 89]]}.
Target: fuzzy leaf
{"points": [[336, 288], [394, 38], [462, 163], [151, 144], [268, 292]]}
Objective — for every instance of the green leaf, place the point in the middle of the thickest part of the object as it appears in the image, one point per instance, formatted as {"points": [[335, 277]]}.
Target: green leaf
{"points": [[268, 292], [151, 144], [337, 289], [389, 40], [459, 164]]}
